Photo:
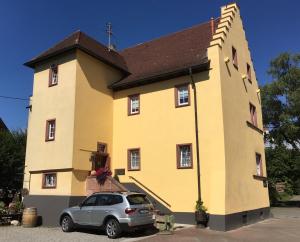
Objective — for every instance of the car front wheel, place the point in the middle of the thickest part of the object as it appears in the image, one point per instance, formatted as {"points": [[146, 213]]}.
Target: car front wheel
{"points": [[112, 228], [67, 224]]}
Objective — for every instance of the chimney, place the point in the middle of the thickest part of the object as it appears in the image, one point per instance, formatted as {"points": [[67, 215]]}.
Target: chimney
{"points": [[212, 26]]}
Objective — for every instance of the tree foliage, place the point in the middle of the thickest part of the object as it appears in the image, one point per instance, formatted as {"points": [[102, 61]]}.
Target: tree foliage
{"points": [[281, 115], [12, 159]]}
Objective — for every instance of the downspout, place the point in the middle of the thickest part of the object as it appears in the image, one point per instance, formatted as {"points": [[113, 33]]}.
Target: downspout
{"points": [[196, 133]]}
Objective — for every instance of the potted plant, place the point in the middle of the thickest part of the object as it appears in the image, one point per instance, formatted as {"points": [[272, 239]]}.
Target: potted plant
{"points": [[201, 216]]}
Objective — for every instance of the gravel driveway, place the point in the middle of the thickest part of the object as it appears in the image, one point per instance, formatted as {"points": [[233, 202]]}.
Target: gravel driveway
{"points": [[43, 234]]}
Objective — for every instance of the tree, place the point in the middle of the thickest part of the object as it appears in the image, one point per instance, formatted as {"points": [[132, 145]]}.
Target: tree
{"points": [[281, 115], [12, 159]]}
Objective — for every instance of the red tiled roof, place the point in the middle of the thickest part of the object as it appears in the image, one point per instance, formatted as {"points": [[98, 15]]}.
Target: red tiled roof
{"points": [[167, 54], [87, 44]]}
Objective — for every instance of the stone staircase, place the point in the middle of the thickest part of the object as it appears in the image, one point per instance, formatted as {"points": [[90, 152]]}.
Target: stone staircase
{"points": [[110, 185]]}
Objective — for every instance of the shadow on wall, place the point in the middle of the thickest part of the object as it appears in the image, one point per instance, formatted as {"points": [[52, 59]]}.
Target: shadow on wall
{"points": [[157, 204], [163, 84]]}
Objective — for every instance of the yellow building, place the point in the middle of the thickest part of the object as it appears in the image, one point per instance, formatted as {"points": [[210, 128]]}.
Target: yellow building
{"points": [[178, 117]]}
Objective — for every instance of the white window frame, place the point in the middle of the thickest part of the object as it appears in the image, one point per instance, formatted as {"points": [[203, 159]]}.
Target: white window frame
{"points": [[50, 129], [53, 75], [134, 162], [258, 161], [50, 180], [182, 161], [134, 104]]}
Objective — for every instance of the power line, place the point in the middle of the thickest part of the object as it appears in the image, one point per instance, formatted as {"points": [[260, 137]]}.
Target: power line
{"points": [[15, 98]]}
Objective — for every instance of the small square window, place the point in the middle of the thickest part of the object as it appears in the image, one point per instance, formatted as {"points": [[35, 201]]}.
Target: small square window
{"points": [[134, 104], [53, 75], [249, 73], [253, 114], [49, 180], [134, 163], [259, 169], [184, 156], [182, 95], [50, 129], [234, 58]]}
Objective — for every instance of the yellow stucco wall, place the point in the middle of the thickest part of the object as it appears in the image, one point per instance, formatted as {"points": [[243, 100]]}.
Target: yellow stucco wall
{"points": [[157, 130], [47, 103], [243, 192], [94, 108], [63, 185]]}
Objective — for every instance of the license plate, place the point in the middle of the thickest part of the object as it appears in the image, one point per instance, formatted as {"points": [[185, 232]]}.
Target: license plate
{"points": [[144, 211]]}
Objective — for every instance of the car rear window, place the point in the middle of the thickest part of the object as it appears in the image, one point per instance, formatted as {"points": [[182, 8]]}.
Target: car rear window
{"points": [[136, 199]]}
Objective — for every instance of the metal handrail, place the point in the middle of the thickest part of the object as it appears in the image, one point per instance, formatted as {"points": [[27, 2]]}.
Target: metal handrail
{"points": [[169, 205]]}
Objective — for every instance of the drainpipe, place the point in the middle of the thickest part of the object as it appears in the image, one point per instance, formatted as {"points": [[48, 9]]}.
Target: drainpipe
{"points": [[196, 133]]}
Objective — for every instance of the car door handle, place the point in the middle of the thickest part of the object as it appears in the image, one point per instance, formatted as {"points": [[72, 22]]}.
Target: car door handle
{"points": [[107, 211], [89, 211]]}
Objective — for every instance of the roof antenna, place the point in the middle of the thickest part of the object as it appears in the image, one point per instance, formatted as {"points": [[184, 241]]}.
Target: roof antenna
{"points": [[109, 33]]}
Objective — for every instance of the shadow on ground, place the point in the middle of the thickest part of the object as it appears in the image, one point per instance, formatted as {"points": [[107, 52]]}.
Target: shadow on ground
{"points": [[133, 234]]}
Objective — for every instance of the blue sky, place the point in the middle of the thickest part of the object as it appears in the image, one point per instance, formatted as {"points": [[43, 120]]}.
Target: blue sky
{"points": [[29, 27]]}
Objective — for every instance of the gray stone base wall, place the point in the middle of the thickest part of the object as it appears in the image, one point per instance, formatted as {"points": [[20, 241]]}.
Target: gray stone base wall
{"points": [[50, 207], [228, 221]]}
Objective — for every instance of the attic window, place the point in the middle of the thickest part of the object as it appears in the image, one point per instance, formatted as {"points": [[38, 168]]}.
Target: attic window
{"points": [[182, 95], [53, 75], [234, 58], [134, 104]]}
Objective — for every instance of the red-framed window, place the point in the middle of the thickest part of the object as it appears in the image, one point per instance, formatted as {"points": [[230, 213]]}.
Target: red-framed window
{"points": [[134, 159], [249, 73], [134, 104], [235, 58], [259, 166], [253, 114], [184, 156], [49, 180], [50, 129], [182, 95], [53, 75]]}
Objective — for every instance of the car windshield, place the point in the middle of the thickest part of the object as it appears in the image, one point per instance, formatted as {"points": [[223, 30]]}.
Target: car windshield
{"points": [[136, 199]]}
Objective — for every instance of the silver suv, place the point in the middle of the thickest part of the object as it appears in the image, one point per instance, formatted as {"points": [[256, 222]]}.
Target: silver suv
{"points": [[114, 212]]}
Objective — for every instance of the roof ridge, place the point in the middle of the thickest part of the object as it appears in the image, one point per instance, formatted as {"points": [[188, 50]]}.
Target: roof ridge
{"points": [[167, 35]]}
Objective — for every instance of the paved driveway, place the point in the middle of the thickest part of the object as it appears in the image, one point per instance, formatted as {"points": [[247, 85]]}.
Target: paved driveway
{"points": [[42, 234], [285, 226], [271, 230]]}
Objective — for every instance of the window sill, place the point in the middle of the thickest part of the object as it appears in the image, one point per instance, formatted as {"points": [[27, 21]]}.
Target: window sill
{"points": [[132, 114], [182, 105], [52, 85], [189, 167], [134, 169], [261, 178], [44, 187], [254, 127], [47, 140]]}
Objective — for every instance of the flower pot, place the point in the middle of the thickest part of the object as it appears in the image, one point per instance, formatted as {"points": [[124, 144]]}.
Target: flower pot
{"points": [[201, 218]]}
